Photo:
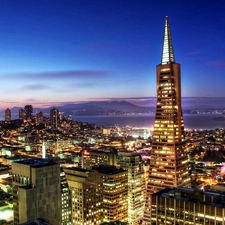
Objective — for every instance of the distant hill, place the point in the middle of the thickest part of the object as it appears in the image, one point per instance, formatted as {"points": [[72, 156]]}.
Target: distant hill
{"points": [[103, 108], [190, 105], [94, 108]]}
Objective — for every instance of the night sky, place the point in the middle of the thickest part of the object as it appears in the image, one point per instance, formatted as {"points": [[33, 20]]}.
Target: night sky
{"points": [[60, 51]]}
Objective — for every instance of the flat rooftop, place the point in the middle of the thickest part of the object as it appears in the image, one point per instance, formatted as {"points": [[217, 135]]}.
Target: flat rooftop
{"points": [[78, 169], [36, 162], [194, 195]]}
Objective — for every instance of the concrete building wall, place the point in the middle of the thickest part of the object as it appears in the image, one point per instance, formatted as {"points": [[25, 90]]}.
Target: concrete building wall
{"points": [[36, 191]]}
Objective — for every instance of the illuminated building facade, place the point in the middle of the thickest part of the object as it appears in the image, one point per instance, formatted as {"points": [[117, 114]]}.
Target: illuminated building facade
{"points": [[54, 117], [86, 194], [106, 131], [43, 150], [115, 193], [39, 118], [132, 162], [66, 199], [187, 206], [7, 115], [36, 191], [168, 163], [92, 158], [61, 115]]}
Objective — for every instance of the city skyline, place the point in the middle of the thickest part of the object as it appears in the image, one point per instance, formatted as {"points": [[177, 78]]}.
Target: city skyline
{"points": [[55, 52]]}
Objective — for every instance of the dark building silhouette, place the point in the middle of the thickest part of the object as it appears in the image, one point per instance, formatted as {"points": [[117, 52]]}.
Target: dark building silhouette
{"points": [[54, 118], [7, 115], [22, 114], [29, 111]]}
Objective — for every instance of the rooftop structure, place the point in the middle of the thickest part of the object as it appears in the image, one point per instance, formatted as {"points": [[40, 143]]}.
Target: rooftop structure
{"points": [[36, 162], [92, 158], [187, 206]]}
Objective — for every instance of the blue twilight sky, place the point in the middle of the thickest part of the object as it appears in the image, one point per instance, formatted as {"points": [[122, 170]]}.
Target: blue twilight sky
{"points": [[56, 51]]}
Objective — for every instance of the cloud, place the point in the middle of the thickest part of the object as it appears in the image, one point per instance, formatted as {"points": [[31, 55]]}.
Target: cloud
{"points": [[30, 100], [220, 64], [83, 85], [35, 87], [68, 74]]}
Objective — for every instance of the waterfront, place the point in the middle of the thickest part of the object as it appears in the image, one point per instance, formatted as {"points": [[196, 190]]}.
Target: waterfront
{"points": [[191, 121]]}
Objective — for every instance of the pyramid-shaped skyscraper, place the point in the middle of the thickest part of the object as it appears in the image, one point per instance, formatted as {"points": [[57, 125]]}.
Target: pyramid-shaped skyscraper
{"points": [[169, 162]]}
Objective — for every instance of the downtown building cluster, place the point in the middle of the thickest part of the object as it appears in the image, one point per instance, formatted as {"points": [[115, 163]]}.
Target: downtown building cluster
{"points": [[76, 195], [92, 186], [113, 183]]}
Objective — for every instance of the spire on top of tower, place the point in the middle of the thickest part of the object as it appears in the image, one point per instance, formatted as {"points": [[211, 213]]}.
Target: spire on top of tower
{"points": [[167, 52]]}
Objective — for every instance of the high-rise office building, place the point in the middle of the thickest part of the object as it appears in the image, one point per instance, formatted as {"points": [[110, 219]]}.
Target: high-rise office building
{"points": [[66, 199], [7, 115], [132, 162], [39, 118], [98, 157], [115, 193], [168, 163], [29, 111], [36, 191], [86, 194], [22, 114], [54, 117]]}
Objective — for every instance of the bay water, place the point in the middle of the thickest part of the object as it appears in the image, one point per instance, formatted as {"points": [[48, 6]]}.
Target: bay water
{"points": [[191, 121]]}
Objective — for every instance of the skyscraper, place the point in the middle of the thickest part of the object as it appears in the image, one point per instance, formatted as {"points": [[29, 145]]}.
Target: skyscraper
{"points": [[54, 116], [86, 194], [66, 199], [7, 115], [132, 162], [115, 192], [168, 163], [36, 191], [29, 111], [22, 114], [39, 118]]}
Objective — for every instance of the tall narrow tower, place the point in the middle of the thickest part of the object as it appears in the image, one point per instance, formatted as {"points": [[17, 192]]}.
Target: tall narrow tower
{"points": [[168, 163], [7, 115], [54, 116]]}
